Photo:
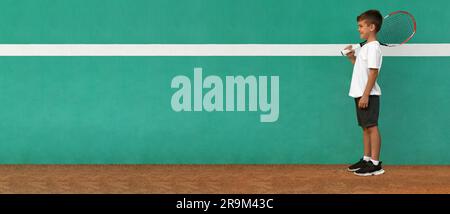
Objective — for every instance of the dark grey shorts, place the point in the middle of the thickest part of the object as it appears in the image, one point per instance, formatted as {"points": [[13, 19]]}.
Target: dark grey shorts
{"points": [[369, 116]]}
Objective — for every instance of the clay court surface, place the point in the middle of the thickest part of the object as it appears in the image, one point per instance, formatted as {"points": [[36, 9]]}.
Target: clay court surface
{"points": [[219, 179]]}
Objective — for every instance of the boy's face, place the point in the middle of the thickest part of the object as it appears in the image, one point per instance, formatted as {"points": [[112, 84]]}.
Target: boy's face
{"points": [[365, 29]]}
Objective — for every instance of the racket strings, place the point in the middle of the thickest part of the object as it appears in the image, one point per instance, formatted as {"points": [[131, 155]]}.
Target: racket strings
{"points": [[396, 29]]}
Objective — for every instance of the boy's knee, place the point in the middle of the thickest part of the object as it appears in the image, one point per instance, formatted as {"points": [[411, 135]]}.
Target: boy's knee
{"points": [[369, 129]]}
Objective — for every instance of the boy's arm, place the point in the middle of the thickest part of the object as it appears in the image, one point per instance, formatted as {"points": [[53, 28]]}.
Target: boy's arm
{"points": [[351, 55], [364, 101]]}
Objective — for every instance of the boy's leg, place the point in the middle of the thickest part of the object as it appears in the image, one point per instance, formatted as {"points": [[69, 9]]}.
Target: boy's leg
{"points": [[364, 160], [375, 142], [374, 166], [366, 141]]}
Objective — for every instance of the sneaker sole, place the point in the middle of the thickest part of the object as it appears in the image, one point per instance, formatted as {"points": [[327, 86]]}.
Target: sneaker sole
{"points": [[353, 170], [379, 172]]}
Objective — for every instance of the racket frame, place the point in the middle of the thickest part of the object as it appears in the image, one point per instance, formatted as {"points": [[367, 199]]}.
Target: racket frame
{"points": [[355, 46]]}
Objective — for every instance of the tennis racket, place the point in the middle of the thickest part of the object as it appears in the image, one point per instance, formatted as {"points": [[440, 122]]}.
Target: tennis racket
{"points": [[398, 28]]}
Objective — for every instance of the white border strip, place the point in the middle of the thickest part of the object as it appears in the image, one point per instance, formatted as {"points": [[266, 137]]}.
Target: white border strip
{"points": [[209, 50]]}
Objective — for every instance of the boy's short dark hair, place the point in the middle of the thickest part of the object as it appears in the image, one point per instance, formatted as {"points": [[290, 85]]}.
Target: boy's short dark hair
{"points": [[372, 17]]}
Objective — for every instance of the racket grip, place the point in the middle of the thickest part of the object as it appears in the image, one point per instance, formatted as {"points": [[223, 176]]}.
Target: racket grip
{"points": [[346, 51]]}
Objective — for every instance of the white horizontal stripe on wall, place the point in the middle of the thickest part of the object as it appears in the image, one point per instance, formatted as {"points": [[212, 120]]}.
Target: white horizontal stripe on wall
{"points": [[414, 50]]}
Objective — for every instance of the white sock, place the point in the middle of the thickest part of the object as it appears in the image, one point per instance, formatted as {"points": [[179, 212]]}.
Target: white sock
{"points": [[366, 158], [375, 162]]}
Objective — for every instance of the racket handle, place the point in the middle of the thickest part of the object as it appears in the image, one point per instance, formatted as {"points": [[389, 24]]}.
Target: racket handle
{"points": [[346, 51]]}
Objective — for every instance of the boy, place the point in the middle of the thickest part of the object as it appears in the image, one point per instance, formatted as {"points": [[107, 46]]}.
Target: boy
{"points": [[366, 92]]}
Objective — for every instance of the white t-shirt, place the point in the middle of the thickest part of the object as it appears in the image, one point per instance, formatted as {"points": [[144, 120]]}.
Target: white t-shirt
{"points": [[368, 56]]}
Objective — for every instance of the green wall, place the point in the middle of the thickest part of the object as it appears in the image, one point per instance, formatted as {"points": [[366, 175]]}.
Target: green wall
{"points": [[117, 109]]}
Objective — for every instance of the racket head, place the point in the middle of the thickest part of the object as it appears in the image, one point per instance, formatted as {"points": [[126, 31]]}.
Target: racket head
{"points": [[398, 28]]}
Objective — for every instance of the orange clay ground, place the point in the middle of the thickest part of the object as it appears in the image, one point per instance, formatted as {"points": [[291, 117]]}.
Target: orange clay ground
{"points": [[219, 179]]}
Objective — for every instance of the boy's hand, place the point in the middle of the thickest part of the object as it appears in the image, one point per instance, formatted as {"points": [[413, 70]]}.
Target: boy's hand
{"points": [[351, 54], [349, 47], [363, 102]]}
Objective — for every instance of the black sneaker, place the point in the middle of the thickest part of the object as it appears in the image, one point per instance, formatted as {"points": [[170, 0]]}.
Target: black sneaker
{"points": [[370, 169], [358, 165]]}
